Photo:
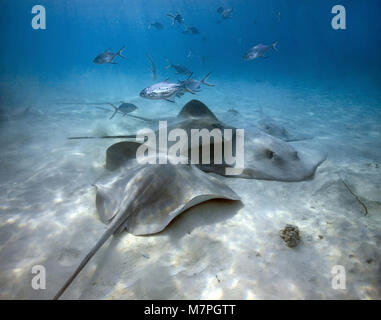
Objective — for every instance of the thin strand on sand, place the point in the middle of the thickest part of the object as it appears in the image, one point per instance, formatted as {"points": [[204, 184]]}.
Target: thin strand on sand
{"points": [[357, 198]]}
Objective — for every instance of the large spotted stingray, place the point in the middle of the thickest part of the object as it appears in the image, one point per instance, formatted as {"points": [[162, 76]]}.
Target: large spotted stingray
{"points": [[144, 199]]}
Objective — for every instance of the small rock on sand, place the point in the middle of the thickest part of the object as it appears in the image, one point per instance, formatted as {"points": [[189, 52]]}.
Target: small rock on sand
{"points": [[290, 235]]}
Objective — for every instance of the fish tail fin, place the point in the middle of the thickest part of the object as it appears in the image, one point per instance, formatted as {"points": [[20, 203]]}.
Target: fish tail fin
{"points": [[173, 19], [205, 82], [274, 45], [119, 53], [186, 27], [190, 75], [115, 112], [189, 90], [169, 64]]}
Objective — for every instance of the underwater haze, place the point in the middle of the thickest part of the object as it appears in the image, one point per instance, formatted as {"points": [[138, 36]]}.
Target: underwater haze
{"points": [[309, 88]]}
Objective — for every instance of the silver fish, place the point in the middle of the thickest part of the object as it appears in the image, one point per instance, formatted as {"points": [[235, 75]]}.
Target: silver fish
{"points": [[259, 51], [163, 90], [108, 57]]}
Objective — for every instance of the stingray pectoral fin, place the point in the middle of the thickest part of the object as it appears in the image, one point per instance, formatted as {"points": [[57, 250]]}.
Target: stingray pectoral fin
{"points": [[196, 108], [172, 190], [116, 156], [106, 203], [156, 227]]}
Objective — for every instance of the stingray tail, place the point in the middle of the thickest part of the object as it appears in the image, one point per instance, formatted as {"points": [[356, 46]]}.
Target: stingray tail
{"points": [[274, 45], [104, 137], [85, 260], [207, 83]]}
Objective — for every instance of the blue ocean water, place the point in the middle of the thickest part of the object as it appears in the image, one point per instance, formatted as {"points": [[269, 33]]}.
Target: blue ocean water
{"points": [[321, 83], [76, 31]]}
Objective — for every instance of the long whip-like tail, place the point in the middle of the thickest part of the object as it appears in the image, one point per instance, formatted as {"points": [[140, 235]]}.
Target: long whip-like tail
{"points": [[85, 260], [133, 136]]}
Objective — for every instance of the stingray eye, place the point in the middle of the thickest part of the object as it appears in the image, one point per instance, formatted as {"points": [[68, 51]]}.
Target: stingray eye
{"points": [[270, 154]]}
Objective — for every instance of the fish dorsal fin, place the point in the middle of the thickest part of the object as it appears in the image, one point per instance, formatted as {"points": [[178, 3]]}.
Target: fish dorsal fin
{"points": [[196, 109]]}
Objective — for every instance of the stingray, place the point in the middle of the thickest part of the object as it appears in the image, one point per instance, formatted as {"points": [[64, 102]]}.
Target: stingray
{"points": [[273, 128], [270, 158], [265, 156], [144, 199]]}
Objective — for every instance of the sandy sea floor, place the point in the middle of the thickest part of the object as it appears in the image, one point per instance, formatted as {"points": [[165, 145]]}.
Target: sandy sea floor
{"points": [[217, 250]]}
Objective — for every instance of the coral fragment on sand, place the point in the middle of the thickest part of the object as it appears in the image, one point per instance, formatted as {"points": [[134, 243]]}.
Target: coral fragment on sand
{"points": [[290, 235]]}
